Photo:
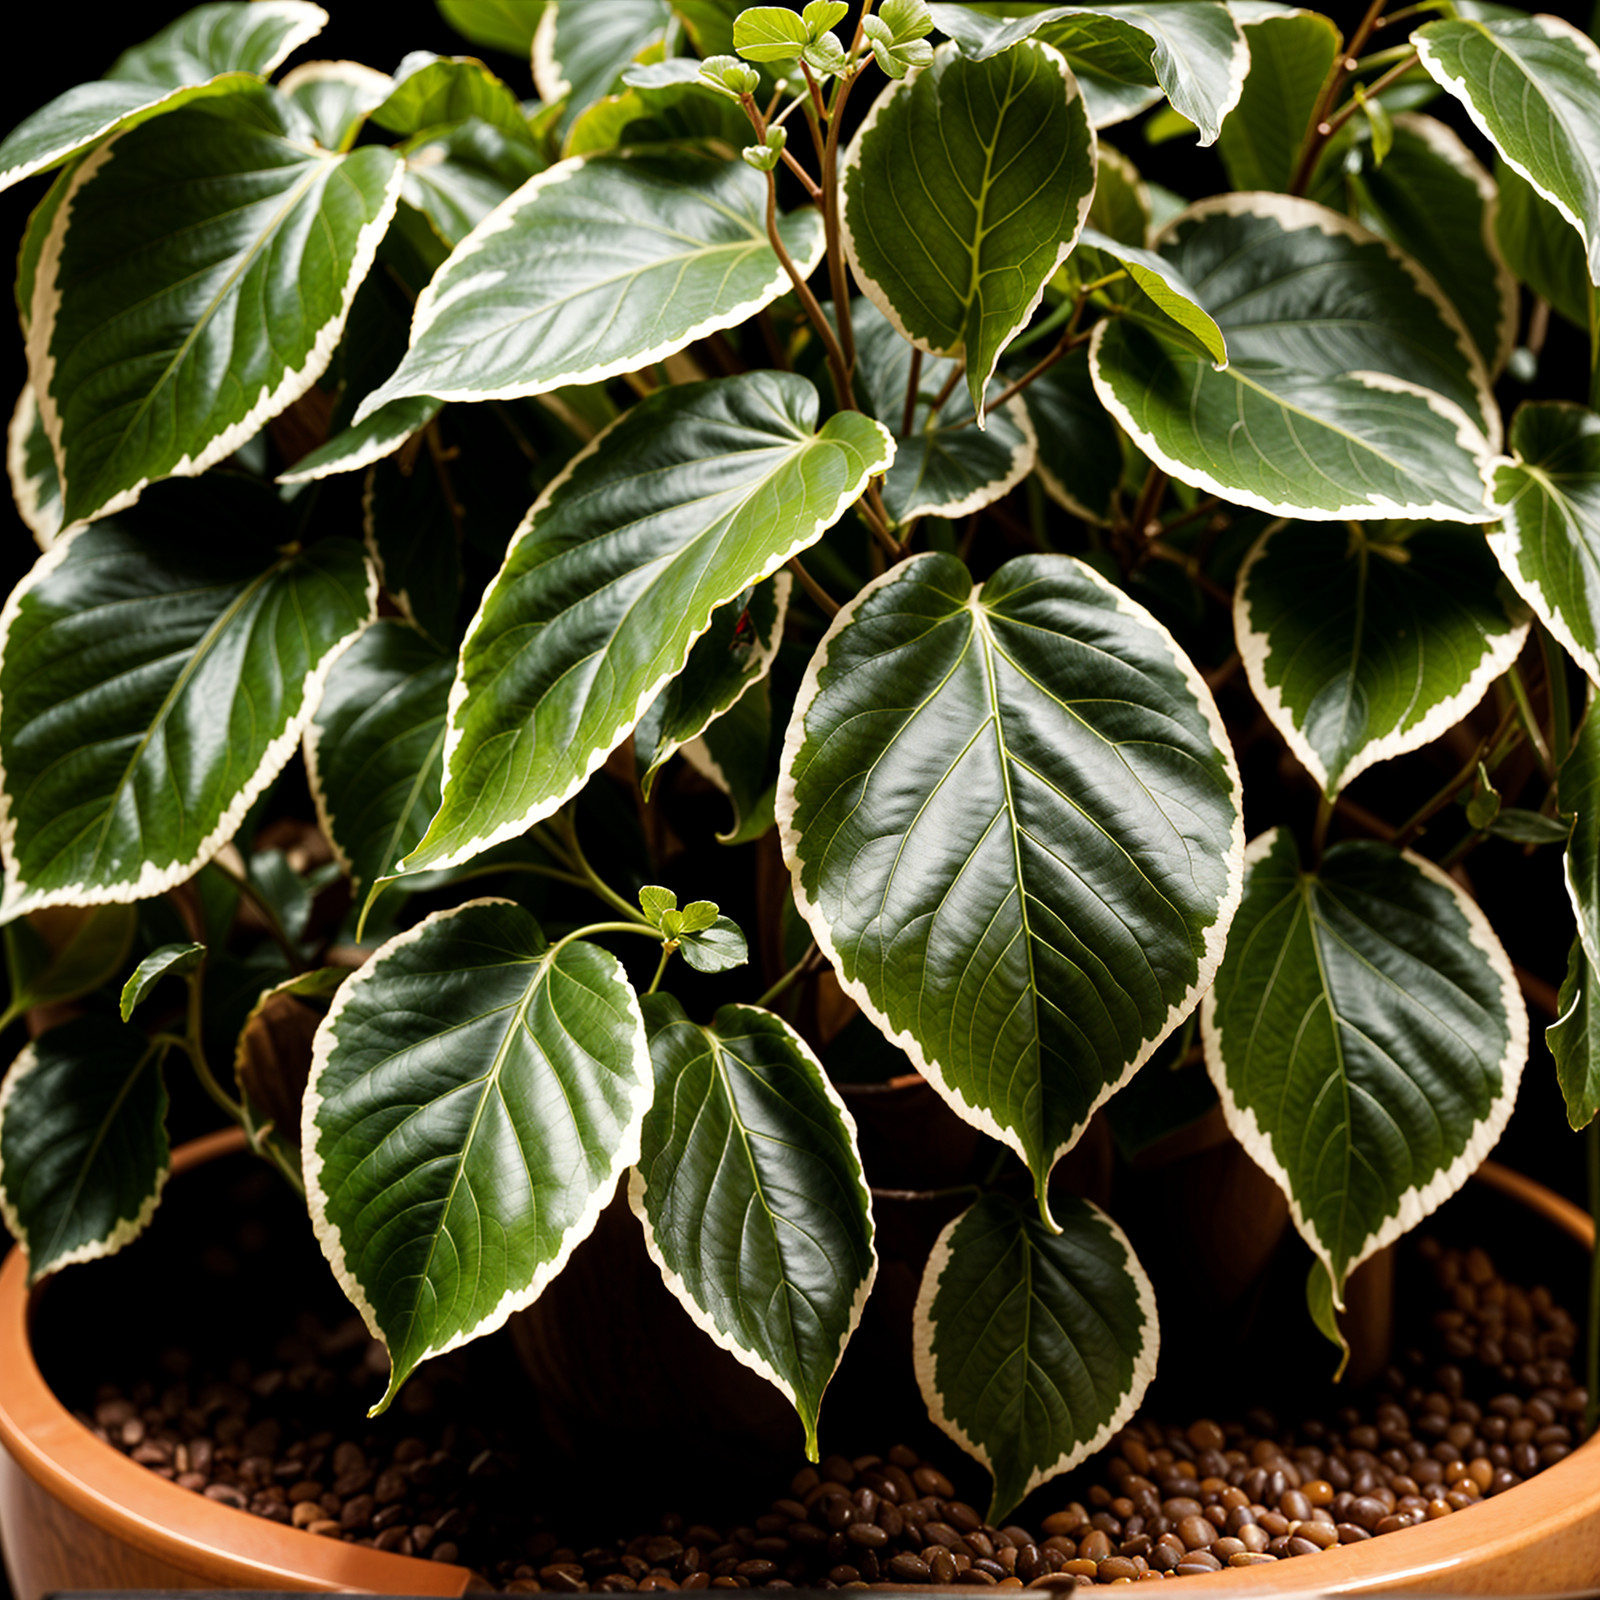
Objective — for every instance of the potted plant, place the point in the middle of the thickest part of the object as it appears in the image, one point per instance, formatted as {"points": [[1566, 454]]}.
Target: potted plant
{"points": [[839, 550]]}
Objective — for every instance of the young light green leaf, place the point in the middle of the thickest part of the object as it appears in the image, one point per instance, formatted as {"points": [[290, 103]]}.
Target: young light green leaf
{"points": [[1165, 300], [31, 467], [1574, 1040], [336, 97], [752, 1197], [820, 15], [962, 192], [170, 961], [728, 663], [1290, 56], [476, 1093], [695, 494], [215, 49], [770, 33], [718, 947], [601, 265], [944, 466], [506, 25], [83, 1142], [1366, 1035], [1360, 648], [656, 902], [995, 801], [697, 916], [1548, 538], [1033, 1347], [156, 671], [1532, 86], [195, 282], [1193, 49], [582, 47], [1352, 390], [432, 91], [375, 748]]}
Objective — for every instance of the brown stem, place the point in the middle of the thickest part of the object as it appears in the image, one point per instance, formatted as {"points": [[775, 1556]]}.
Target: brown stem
{"points": [[914, 378], [949, 389], [1143, 522], [830, 343], [837, 280], [1345, 112], [441, 464], [1318, 132], [1069, 341], [812, 188], [824, 600]]}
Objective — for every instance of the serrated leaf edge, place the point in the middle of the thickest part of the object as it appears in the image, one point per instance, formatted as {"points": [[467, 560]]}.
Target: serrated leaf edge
{"points": [[294, 382], [1255, 650], [638, 1191], [152, 879], [790, 842], [127, 1229], [1414, 1204], [923, 1329], [625, 1154]]}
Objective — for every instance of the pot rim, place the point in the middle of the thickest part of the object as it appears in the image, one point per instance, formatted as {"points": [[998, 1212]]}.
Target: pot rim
{"points": [[112, 1492]]}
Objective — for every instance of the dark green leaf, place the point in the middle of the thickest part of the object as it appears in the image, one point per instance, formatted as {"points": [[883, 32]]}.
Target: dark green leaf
{"points": [[506, 25], [1541, 248], [436, 91], [170, 961], [353, 448], [1290, 54], [1529, 827], [1574, 1040], [457, 175], [475, 1095], [83, 1142], [1080, 451], [1578, 788], [336, 97], [582, 47], [1033, 1347], [31, 466]]}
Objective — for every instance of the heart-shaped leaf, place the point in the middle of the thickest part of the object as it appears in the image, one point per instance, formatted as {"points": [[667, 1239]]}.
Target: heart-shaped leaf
{"points": [[1574, 1040], [156, 672], [475, 1095], [1532, 86], [213, 50], [1290, 55], [601, 265], [1193, 49], [169, 961], [336, 97], [1361, 648], [998, 801], [1548, 538], [1352, 389], [1032, 1347], [943, 465], [195, 283], [375, 748], [31, 467], [83, 1142], [695, 494], [1366, 1035], [750, 1189], [962, 192], [581, 50]]}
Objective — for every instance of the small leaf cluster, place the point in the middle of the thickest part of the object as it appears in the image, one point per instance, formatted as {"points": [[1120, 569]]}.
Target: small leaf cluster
{"points": [[901, 540]]}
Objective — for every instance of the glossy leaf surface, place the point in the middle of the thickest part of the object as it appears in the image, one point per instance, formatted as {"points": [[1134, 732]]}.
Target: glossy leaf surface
{"points": [[31, 467], [83, 1142], [1360, 648], [156, 671], [750, 1189], [195, 282], [1574, 1039], [692, 496], [475, 1095], [336, 98], [598, 266], [1161, 297], [1366, 1035], [169, 961], [1352, 388], [1011, 816], [436, 91], [1033, 1347], [1290, 55], [456, 176], [963, 190]]}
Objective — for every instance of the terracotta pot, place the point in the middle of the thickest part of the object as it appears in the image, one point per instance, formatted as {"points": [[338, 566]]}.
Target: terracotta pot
{"points": [[76, 1514]]}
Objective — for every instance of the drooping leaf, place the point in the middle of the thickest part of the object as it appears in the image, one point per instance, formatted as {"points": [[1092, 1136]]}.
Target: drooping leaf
{"points": [[1532, 86], [599, 266], [1548, 538], [944, 466], [194, 284], [1432, 198], [31, 467], [1352, 389], [83, 1142], [169, 961], [997, 802], [506, 25], [962, 192], [66, 952], [727, 661], [411, 526], [457, 175], [216, 49], [156, 671], [1574, 1040], [1161, 297], [1193, 49], [1080, 451], [1360, 648], [695, 494], [1290, 54], [437, 91], [582, 47], [1366, 1035], [475, 1095], [336, 97], [750, 1189], [375, 748], [1540, 247], [353, 448], [1033, 1348]]}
